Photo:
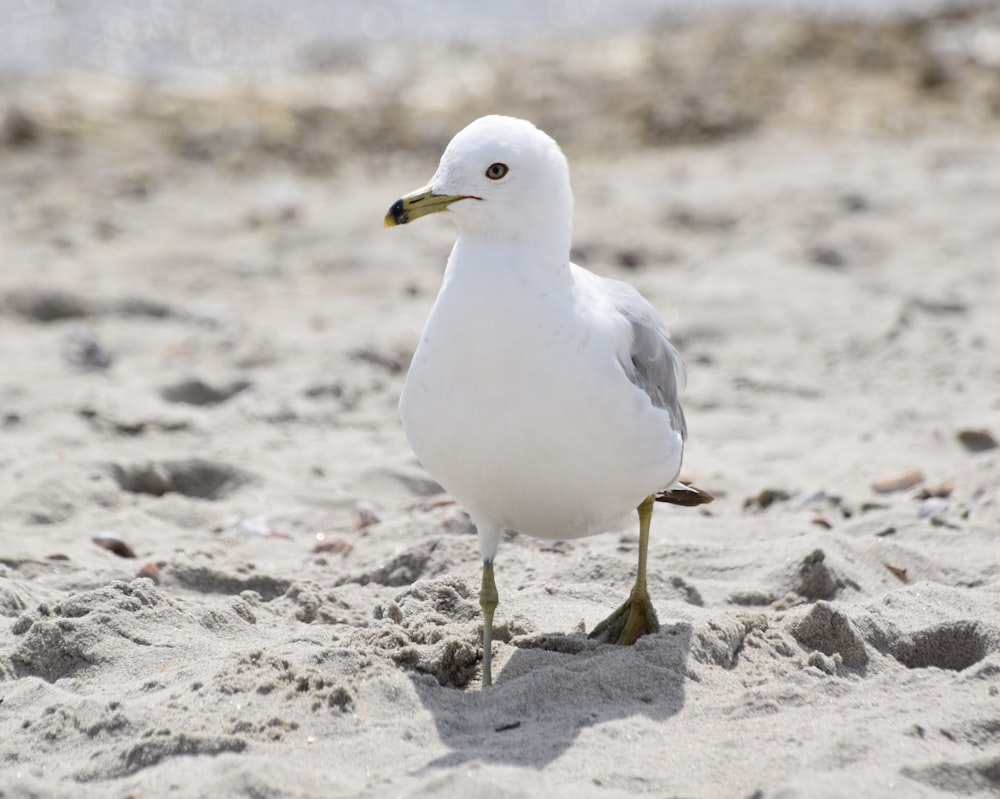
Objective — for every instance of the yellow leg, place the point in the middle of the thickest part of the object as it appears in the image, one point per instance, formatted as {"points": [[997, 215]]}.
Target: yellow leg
{"points": [[488, 600], [636, 617]]}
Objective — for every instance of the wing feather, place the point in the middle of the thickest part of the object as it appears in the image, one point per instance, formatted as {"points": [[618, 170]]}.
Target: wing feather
{"points": [[654, 365]]}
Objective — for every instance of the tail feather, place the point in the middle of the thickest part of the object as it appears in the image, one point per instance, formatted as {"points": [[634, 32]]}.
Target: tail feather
{"points": [[684, 494]]}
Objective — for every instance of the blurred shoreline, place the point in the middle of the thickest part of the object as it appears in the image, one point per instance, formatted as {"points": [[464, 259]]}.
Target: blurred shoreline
{"points": [[704, 79], [171, 39]]}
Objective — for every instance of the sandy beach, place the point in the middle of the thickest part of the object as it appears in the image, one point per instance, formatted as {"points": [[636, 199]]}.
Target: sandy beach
{"points": [[223, 573]]}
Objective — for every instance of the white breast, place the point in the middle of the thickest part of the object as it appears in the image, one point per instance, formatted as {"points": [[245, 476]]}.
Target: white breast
{"points": [[516, 403]]}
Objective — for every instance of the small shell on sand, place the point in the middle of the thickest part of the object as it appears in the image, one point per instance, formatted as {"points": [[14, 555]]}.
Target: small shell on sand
{"points": [[942, 490], [898, 482], [254, 527], [150, 571], [932, 507], [364, 515], [331, 544], [112, 542], [437, 501]]}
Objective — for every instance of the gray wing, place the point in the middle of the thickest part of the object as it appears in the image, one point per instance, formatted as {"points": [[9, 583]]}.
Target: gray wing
{"points": [[655, 365]]}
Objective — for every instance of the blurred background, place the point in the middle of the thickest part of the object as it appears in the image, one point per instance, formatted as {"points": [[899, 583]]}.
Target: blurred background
{"points": [[310, 82], [163, 37]]}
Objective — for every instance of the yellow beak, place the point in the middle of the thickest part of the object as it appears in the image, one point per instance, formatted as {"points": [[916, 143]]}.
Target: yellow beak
{"points": [[421, 203]]}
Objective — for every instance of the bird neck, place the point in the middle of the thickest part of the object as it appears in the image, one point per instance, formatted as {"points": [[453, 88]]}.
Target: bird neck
{"points": [[542, 262]]}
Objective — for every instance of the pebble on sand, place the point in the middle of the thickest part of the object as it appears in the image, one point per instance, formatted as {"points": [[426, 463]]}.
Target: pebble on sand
{"points": [[977, 440]]}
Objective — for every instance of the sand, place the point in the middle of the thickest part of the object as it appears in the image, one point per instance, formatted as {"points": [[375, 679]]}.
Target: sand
{"points": [[204, 332]]}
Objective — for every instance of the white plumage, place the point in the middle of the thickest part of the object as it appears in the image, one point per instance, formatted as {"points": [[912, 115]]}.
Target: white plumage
{"points": [[541, 396]]}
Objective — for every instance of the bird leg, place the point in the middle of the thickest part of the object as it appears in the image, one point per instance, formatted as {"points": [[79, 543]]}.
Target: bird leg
{"points": [[488, 600], [636, 617]]}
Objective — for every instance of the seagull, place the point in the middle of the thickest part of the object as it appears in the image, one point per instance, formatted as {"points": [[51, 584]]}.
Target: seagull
{"points": [[543, 397]]}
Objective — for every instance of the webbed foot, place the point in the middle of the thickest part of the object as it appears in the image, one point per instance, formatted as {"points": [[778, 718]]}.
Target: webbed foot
{"points": [[634, 619]]}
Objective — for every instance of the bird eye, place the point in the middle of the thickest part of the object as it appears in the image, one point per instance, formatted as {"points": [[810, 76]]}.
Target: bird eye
{"points": [[496, 171]]}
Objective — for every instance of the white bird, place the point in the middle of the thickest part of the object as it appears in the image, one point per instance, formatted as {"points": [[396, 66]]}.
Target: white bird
{"points": [[543, 397]]}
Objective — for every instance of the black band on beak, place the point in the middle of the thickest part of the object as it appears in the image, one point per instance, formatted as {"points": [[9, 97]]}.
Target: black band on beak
{"points": [[398, 213]]}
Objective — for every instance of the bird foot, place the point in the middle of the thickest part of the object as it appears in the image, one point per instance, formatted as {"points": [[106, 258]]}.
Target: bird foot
{"points": [[629, 623]]}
